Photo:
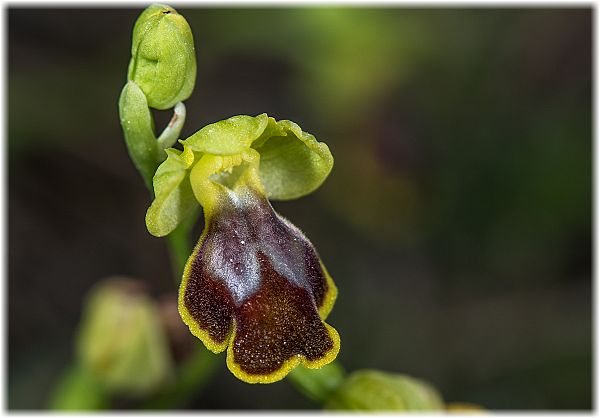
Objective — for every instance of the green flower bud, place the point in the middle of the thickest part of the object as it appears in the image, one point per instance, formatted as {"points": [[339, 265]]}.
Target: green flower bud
{"points": [[163, 61], [121, 342], [371, 390]]}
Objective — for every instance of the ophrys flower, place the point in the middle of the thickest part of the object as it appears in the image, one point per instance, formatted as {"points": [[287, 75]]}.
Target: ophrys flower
{"points": [[254, 284]]}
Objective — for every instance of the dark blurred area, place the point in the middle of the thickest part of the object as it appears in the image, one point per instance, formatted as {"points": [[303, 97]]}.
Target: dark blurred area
{"points": [[457, 222]]}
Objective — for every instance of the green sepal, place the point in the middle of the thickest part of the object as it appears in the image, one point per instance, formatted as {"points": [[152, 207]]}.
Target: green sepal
{"points": [[174, 199], [163, 60], [228, 137], [292, 162], [138, 129]]}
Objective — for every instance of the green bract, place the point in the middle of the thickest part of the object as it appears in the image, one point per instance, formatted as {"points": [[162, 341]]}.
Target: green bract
{"points": [[292, 163], [146, 151], [163, 61], [138, 129]]}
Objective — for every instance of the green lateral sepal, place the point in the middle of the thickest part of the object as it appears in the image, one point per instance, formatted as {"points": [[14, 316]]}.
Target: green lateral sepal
{"points": [[174, 199]]}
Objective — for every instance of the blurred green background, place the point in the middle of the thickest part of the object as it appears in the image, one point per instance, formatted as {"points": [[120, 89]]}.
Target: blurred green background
{"points": [[457, 222]]}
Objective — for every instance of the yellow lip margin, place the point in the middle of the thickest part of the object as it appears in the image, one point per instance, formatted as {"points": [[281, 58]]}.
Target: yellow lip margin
{"points": [[194, 327], [288, 365], [330, 296]]}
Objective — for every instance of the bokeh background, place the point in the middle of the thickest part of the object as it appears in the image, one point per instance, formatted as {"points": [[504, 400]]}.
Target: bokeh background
{"points": [[457, 221]]}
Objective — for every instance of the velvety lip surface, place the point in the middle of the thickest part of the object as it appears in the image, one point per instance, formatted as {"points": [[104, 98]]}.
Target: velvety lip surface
{"points": [[256, 277]]}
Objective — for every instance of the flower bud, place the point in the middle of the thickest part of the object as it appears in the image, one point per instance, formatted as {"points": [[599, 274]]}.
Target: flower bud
{"points": [[163, 61], [121, 342], [371, 390]]}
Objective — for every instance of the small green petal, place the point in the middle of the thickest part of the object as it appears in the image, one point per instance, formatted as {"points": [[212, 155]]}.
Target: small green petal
{"points": [[228, 137], [292, 162], [138, 129], [174, 199], [163, 60]]}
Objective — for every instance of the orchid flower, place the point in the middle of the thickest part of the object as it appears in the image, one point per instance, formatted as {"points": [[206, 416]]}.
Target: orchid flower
{"points": [[254, 284]]}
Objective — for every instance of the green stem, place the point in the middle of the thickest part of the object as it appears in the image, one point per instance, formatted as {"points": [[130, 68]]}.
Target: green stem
{"points": [[78, 390]]}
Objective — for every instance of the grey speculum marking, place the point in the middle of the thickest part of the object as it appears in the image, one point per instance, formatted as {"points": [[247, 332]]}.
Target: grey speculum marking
{"points": [[245, 225]]}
